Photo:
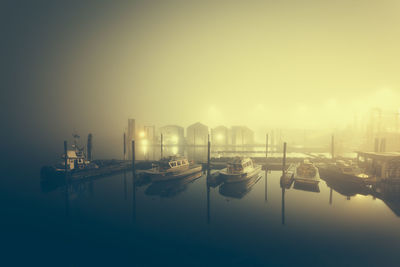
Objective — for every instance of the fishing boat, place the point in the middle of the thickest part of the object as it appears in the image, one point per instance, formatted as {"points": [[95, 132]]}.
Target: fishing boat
{"points": [[306, 172], [172, 168], [239, 169], [77, 165]]}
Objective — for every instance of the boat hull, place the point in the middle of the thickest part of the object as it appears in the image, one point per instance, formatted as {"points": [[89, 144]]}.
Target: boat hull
{"points": [[167, 176], [236, 178]]}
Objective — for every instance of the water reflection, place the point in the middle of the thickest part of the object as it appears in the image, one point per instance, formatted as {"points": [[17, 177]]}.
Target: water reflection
{"points": [[389, 193], [345, 187], [240, 189], [192, 202], [134, 180], [283, 205], [266, 186], [171, 188], [310, 187]]}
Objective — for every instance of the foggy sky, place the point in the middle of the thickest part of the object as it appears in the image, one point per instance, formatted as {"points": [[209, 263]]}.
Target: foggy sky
{"points": [[293, 64]]}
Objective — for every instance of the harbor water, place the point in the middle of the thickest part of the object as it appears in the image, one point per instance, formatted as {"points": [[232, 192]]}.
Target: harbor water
{"points": [[119, 220]]}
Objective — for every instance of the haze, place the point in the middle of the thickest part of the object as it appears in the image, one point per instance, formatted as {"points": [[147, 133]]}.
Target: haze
{"points": [[264, 64]]}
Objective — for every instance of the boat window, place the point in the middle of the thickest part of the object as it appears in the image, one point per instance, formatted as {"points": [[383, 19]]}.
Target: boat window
{"points": [[173, 164], [179, 162]]}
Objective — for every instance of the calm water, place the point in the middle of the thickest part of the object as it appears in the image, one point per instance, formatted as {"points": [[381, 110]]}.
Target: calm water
{"points": [[115, 221]]}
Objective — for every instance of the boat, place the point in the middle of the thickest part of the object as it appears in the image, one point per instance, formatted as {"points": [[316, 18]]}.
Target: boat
{"points": [[239, 169], [78, 166], [306, 172], [171, 168], [345, 170]]}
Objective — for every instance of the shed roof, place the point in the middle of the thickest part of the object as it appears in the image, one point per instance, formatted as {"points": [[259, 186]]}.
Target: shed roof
{"points": [[380, 155]]}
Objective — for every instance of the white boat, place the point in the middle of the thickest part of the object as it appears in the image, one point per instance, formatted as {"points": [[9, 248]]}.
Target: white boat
{"points": [[172, 168], [306, 172], [239, 169]]}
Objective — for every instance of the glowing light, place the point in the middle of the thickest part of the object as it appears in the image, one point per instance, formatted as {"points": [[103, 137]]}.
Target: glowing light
{"points": [[142, 134], [220, 137], [145, 142]]}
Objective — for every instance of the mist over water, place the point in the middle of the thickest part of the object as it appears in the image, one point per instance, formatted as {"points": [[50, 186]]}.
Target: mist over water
{"points": [[300, 72]]}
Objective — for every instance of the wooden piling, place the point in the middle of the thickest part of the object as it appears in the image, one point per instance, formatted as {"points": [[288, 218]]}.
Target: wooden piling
{"points": [[124, 146], [133, 154], [383, 145], [283, 205], [266, 185], [161, 147], [284, 159], [89, 146], [208, 203], [208, 153], [66, 159]]}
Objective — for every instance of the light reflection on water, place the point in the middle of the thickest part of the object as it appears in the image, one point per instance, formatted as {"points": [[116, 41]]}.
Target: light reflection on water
{"points": [[257, 221], [190, 221]]}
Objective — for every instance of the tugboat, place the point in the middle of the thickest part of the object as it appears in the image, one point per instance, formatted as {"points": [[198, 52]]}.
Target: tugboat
{"points": [[239, 170], [78, 166], [172, 168]]}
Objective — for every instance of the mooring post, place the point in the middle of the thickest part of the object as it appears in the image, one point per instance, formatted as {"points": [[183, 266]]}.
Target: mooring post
{"points": [[66, 160], [161, 146], [383, 145], [284, 159], [333, 147], [266, 185], [266, 150], [283, 205], [208, 154], [124, 146], [89, 146], [133, 154]]}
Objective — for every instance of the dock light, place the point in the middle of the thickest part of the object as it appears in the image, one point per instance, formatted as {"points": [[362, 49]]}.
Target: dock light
{"points": [[142, 134]]}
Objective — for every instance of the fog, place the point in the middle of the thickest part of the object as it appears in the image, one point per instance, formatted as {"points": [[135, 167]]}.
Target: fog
{"points": [[266, 64]]}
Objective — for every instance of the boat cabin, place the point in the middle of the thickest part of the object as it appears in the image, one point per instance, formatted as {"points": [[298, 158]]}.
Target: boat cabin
{"points": [[240, 165], [75, 160], [172, 163], [306, 169]]}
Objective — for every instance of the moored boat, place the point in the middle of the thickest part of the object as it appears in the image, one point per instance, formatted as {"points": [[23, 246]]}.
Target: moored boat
{"points": [[306, 172], [172, 168], [344, 170], [239, 169]]}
